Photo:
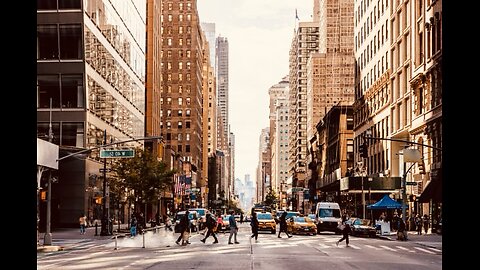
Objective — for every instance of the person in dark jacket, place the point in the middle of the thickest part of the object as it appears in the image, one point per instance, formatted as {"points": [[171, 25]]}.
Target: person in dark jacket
{"points": [[184, 227], [283, 225], [254, 224], [211, 223], [346, 231]]}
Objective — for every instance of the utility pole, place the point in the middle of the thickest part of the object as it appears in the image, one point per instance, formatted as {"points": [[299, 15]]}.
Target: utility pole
{"points": [[47, 239], [105, 217]]}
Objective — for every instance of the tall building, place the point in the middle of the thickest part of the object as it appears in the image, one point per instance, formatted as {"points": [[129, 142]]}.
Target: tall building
{"points": [[153, 75], [279, 134], [91, 66], [264, 164], [221, 67], [304, 42], [209, 30], [182, 60]]}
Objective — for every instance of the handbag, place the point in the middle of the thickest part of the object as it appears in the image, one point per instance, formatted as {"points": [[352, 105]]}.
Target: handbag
{"points": [[341, 227]]}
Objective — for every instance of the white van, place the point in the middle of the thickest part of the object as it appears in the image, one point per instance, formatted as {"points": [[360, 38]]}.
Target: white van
{"points": [[328, 217]]}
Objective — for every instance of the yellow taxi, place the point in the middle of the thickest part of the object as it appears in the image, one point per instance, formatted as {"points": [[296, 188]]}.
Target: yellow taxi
{"points": [[266, 222], [301, 225]]}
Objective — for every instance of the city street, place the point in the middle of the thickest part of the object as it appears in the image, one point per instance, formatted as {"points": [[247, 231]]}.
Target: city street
{"points": [[270, 252]]}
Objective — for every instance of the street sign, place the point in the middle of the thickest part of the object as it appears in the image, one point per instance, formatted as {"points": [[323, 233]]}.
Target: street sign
{"points": [[411, 183], [297, 189], [103, 170], [117, 153]]}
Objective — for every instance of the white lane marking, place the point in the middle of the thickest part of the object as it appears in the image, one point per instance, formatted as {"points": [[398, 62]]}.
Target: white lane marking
{"points": [[425, 250], [372, 247], [388, 248], [353, 246], [404, 248], [435, 249]]}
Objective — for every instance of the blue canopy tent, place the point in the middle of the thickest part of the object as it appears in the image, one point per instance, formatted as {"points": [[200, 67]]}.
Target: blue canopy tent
{"points": [[385, 203]]}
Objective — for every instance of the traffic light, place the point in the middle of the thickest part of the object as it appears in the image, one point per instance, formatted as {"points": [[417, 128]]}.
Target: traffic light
{"points": [[421, 167], [363, 149]]}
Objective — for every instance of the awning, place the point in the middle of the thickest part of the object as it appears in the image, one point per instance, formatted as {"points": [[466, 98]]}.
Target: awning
{"points": [[433, 191]]}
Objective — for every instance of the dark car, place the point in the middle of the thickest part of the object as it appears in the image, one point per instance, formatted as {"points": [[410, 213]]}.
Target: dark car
{"points": [[361, 227]]}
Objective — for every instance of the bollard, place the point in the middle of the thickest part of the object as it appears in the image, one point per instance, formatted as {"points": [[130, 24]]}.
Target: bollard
{"points": [[115, 241], [96, 228], [143, 234]]}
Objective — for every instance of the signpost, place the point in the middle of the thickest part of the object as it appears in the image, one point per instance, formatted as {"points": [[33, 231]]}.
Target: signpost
{"points": [[117, 153]]}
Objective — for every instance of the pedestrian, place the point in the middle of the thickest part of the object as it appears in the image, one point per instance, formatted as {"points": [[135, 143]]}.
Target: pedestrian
{"points": [[345, 232], [426, 223], [254, 224], [133, 226], [210, 223], [418, 224], [241, 218], [220, 223], [168, 223], [184, 227], [401, 232], [233, 228], [83, 223], [283, 225]]}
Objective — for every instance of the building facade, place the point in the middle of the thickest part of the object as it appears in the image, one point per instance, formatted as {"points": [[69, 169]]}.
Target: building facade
{"points": [[91, 66], [182, 91]]}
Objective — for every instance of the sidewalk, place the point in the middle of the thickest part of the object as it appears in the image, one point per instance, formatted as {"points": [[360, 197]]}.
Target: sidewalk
{"points": [[432, 240], [73, 235]]}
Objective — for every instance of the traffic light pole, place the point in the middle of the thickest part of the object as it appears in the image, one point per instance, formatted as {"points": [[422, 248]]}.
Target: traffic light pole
{"points": [[105, 217]]}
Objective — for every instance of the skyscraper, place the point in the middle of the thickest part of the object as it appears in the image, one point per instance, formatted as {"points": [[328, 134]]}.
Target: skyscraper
{"points": [[221, 63]]}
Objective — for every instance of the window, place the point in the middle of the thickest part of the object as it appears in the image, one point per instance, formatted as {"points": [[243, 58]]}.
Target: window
{"points": [[187, 137], [46, 4], [179, 113], [47, 42], [72, 91], [187, 124], [179, 147], [72, 134], [179, 137], [187, 101], [179, 125], [48, 87], [180, 101], [62, 4], [187, 148], [169, 113], [187, 113]]}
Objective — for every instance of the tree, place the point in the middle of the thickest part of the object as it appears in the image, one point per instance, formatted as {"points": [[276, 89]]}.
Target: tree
{"points": [[271, 198], [143, 174]]}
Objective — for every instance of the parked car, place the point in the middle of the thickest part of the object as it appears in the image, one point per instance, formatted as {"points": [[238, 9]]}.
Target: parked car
{"points": [[266, 222], [361, 227], [301, 225], [192, 216]]}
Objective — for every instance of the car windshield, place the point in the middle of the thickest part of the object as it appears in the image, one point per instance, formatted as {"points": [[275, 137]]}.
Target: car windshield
{"points": [[201, 211], [300, 219], [330, 213], [291, 214], [264, 216], [226, 217], [359, 221]]}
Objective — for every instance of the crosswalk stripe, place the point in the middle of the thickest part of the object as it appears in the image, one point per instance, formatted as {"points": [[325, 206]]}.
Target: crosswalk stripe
{"points": [[406, 249], [388, 248], [353, 246], [372, 247], [435, 249], [425, 250]]}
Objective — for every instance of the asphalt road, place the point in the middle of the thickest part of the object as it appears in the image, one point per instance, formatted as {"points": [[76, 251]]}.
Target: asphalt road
{"points": [[270, 252]]}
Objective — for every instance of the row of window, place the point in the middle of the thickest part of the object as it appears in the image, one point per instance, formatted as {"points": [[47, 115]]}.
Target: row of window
{"points": [[64, 90], [180, 17], [55, 42], [180, 6], [178, 137], [180, 102], [59, 4]]}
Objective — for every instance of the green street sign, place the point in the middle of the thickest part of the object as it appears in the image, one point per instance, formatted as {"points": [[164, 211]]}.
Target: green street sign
{"points": [[117, 153]]}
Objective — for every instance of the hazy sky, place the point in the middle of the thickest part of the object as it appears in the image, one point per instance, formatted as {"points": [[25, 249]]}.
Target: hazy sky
{"points": [[259, 34]]}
